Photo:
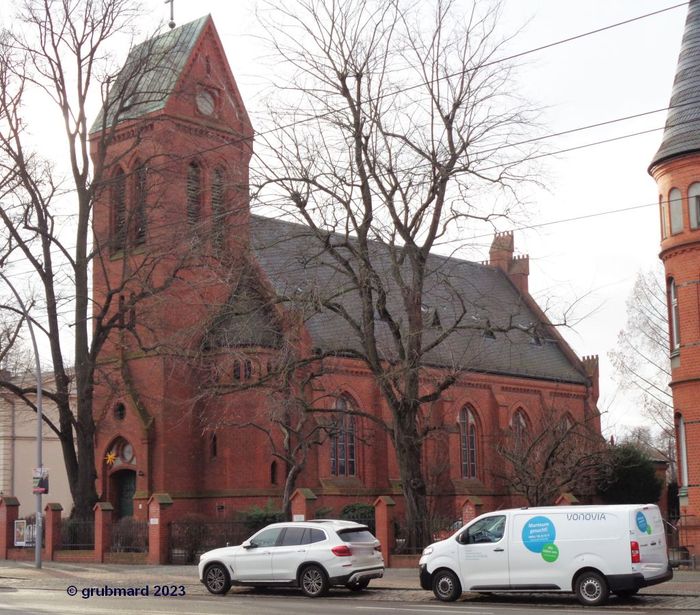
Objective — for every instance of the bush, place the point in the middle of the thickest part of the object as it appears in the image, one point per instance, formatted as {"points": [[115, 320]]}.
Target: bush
{"points": [[631, 478], [256, 518]]}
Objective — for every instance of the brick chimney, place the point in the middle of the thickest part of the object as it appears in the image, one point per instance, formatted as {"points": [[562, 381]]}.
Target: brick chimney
{"points": [[501, 256]]}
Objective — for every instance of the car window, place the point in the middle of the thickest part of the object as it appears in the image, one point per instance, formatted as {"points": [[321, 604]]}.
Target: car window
{"points": [[294, 536], [490, 529], [266, 538], [356, 535], [317, 536]]}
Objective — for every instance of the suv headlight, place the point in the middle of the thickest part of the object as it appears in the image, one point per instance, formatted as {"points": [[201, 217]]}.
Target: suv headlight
{"points": [[427, 550]]}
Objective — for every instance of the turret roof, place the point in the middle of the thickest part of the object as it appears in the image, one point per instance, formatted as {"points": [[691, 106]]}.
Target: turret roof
{"points": [[682, 131]]}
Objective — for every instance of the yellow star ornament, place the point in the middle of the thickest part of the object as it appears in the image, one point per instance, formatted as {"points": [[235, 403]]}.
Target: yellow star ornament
{"points": [[111, 458]]}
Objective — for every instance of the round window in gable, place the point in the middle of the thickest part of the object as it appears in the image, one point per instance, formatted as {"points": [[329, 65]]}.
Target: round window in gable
{"points": [[119, 412]]}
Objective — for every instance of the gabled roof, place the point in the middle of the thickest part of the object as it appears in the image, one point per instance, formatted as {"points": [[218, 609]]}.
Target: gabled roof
{"points": [[300, 270], [150, 74], [682, 131]]}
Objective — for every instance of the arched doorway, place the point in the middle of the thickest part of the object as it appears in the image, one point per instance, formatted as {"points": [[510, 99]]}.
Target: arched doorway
{"points": [[123, 489]]}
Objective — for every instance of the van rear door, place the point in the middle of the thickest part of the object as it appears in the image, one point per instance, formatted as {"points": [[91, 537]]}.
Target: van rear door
{"points": [[647, 530]]}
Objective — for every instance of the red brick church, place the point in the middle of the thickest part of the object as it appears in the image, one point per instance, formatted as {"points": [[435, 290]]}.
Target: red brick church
{"points": [[189, 388]]}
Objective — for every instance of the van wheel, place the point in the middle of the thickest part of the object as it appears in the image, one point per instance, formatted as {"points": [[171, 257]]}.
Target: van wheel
{"points": [[446, 586], [591, 588]]}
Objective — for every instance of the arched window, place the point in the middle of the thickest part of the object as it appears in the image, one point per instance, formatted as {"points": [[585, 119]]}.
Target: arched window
{"points": [[663, 209], [217, 207], [468, 442], [694, 205], [676, 207], [674, 315], [118, 221], [520, 426], [236, 370], [139, 206], [342, 440], [213, 447], [194, 192], [273, 473], [247, 369]]}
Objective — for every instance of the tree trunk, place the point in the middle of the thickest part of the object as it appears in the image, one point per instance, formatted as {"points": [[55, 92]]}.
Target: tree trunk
{"points": [[289, 487], [408, 447]]}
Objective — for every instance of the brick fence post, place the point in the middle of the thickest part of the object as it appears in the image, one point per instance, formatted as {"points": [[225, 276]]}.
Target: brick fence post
{"points": [[52, 529], [103, 529], [301, 504], [384, 525], [159, 515], [9, 511]]}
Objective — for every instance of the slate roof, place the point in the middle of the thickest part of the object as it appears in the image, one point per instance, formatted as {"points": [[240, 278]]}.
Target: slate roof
{"points": [[301, 271], [150, 74], [682, 131]]}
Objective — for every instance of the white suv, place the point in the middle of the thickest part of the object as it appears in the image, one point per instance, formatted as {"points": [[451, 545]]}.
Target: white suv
{"points": [[313, 555]]}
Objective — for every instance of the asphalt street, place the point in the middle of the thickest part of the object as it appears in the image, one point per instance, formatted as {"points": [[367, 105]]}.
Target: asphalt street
{"points": [[163, 590]]}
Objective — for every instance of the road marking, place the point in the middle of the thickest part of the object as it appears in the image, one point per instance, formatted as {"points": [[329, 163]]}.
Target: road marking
{"points": [[433, 609]]}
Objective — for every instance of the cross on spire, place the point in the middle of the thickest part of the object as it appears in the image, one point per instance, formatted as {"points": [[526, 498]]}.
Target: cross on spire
{"points": [[171, 23]]}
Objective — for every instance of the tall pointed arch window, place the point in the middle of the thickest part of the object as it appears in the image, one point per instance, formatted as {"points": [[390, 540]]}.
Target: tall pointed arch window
{"points": [[194, 192], [217, 207], [674, 316], [342, 441], [139, 204], [676, 208], [118, 221], [468, 438], [520, 426]]}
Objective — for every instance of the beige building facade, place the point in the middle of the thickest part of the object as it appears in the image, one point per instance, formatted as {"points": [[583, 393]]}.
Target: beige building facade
{"points": [[18, 455]]}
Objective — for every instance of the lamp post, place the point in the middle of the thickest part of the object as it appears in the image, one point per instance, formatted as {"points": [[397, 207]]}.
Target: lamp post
{"points": [[39, 415]]}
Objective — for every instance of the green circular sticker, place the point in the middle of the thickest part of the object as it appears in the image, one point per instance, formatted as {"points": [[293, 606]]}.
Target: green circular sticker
{"points": [[550, 552]]}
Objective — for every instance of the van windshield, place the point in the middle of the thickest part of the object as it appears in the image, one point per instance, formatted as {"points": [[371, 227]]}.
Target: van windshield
{"points": [[490, 529]]}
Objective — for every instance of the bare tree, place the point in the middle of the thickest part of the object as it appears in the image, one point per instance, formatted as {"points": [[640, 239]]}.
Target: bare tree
{"points": [[387, 141], [57, 57], [555, 456], [641, 359]]}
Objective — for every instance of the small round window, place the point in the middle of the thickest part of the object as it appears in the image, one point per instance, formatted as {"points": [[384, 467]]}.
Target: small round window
{"points": [[119, 412]]}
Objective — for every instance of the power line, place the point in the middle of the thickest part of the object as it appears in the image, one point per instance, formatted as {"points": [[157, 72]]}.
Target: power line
{"points": [[535, 139]]}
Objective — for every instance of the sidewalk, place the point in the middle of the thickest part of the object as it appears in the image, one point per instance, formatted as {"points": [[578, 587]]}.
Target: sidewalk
{"points": [[682, 592]]}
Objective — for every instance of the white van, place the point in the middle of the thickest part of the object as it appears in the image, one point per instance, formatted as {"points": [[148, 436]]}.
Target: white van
{"points": [[588, 550]]}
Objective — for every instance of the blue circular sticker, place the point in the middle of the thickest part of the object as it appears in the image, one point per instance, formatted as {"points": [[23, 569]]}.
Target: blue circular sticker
{"points": [[538, 532], [641, 522]]}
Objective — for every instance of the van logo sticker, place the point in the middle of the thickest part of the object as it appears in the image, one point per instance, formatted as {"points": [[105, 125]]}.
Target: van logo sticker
{"points": [[642, 523], [585, 516], [539, 535]]}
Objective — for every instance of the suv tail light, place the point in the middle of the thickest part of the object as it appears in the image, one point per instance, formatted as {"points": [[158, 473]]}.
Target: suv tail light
{"points": [[342, 551], [634, 547]]}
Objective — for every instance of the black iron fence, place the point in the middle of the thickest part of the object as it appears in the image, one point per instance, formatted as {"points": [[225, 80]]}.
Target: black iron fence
{"points": [[130, 535], [77, 534], [680, 552], [190, 538]]}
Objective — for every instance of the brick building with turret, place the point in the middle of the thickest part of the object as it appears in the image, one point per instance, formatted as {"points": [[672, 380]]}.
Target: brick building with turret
{"points": [[676, 169], [198, 281]]}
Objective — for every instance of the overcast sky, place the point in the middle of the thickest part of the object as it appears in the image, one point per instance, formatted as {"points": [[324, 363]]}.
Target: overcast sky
{"points": [[616, 73], [612, 74]]}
